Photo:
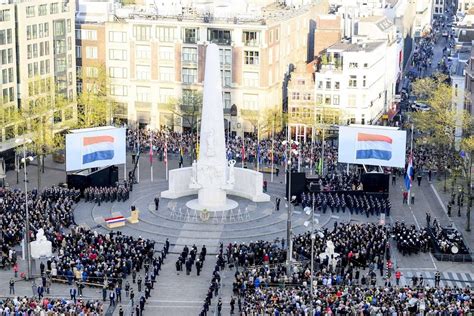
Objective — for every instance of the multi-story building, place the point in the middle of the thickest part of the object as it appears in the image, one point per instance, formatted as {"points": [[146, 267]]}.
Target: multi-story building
{"points": [[351, 78], [439, 6], [464, 6], [151, 60], [39, 63]]}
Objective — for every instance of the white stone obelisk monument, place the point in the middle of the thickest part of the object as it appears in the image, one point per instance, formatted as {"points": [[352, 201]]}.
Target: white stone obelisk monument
{"points": [[212, 163]]}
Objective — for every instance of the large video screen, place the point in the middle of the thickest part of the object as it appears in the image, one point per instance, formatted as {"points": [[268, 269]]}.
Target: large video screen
{"points": [[93, 148], [376, 146]]}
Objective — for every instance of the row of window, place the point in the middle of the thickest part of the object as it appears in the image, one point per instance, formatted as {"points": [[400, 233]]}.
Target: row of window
{"points": [[6, 36], [39, 68], [35, 31], [352, 83], [7, 76], [6, 56], [39, 86], [43, 9], [33, 52], [327, 99]]}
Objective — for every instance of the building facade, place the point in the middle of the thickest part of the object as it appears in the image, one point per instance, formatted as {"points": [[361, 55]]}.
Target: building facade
{"points": [[40, 61], [151, 62]]}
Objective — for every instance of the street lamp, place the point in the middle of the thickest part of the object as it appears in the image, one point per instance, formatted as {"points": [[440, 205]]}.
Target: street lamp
{"points": [[290, 199], [24, 160]]}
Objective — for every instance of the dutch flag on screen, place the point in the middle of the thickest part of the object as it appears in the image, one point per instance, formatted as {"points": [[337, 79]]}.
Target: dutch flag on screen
{"points": [[373, 146], [97, 148]]}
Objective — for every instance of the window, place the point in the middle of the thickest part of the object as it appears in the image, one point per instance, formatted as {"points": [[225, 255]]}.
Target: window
{"points": [[60, 48], [60, 64], [335, 99], [117, 54], [166, 53], [320, 84], [337, 85], [352, 100], [251, 38], [251, 57], [366, 65], [227, 99], [226, 78], [189, 75], [295, 95], [319, 98], [78, 52], [118, 90], [327, 99], [143, 52], [92, 72], [117, 37], [190, 54], [118, 72], [352, 81], [34, 33], [219, 36], [42, 10], [143, 72], [142, 32], [28, 32], [166, 94], [29, 51], [46, 29], [143, 94], [328, 84], [166, 73], [191, 36], [250, 101], [364, 81], [353, 65], [54, 8], [30, 11], [166, 34], [251, 79], [4, 16], [90, 35], [59, 28], [225, 55]]}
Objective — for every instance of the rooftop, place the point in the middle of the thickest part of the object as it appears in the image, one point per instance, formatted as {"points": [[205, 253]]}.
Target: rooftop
{"points": [[349, 47]]}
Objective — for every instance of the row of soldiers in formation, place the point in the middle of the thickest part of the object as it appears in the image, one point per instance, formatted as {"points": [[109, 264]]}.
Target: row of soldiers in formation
{"points": [[362, 203], [106, 194]]}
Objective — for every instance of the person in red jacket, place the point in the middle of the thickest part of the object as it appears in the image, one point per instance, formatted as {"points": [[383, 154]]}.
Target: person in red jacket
{"points": [[398, 274]]}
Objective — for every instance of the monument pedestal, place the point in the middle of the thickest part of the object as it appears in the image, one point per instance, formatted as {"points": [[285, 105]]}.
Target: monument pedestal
{"points": [[212, 197]]}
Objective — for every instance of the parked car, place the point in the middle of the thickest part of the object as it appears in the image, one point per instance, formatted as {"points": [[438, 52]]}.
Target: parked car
{"points": [[417, 106]]}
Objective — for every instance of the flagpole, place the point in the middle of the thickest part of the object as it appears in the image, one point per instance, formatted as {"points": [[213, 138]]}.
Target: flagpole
{"points": [[151, 157], [411, 159], [312, 155], [258, 146], [166, 156], [273, 137]]}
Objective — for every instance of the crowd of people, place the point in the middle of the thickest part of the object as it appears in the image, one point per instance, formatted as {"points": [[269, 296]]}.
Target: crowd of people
{"points": [[358, 202], [98, 195], [98, 258], [357, 300], [50, 306], [305, 154], [51, 210]]}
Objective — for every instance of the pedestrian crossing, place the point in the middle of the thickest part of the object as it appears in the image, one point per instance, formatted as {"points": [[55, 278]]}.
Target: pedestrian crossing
{"points": [[448, 279]]}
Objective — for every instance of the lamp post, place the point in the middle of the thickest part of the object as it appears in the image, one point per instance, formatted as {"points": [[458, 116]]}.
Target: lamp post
{"points": [[290, 200], [24, 160]]}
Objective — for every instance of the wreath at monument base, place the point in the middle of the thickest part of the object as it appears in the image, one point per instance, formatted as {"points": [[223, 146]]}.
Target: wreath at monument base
{"points": [[204, 215]]}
